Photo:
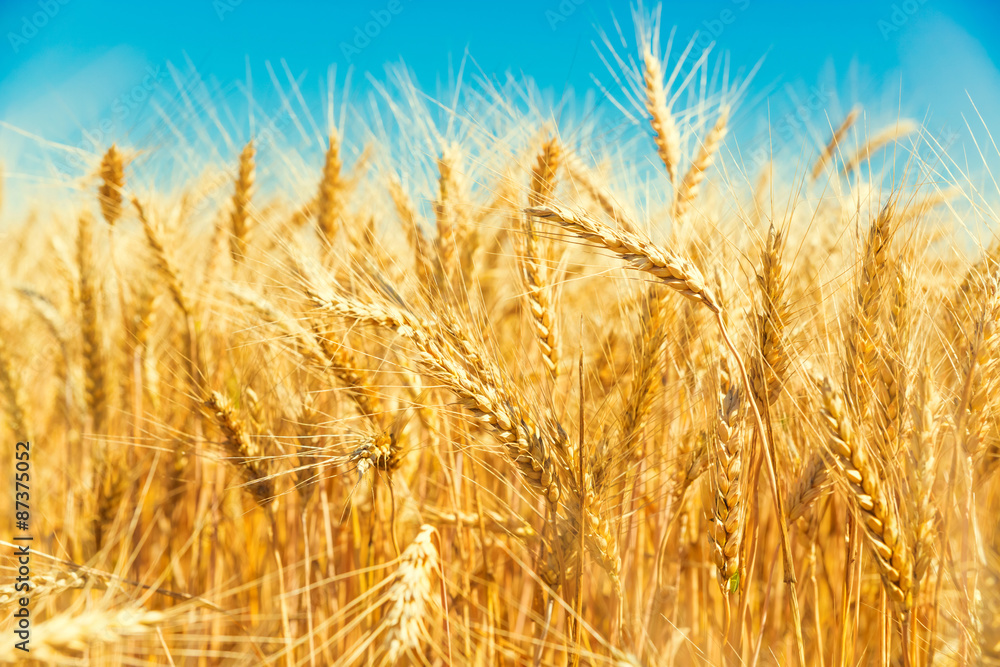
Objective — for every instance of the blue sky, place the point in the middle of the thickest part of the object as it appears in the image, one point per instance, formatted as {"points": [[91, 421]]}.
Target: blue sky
{"points": [[68, 65]]}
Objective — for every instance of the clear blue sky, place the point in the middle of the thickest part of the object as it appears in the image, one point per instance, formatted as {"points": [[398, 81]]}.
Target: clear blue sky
{"points": [[65, 64]]}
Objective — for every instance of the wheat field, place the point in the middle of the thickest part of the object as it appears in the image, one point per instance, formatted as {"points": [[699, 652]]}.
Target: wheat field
{"points": [[459, 388]]}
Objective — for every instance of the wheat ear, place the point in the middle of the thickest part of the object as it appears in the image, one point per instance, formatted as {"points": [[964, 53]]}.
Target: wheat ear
{"points": [[409, 599], [668, 138], [769, 375], [109, 193], [838, 136], [727, 511], [537, 290], [11, 390], [641, 254], [861, 357], [900, 129], [922, 471], [446, 214], [239, 220], [480, 385], [867, 494], [331, 186], [93, 353], [66, 637], [419, 244], [691, 183], [164, 263], [809, 485], [652, 336], [246, 456]]}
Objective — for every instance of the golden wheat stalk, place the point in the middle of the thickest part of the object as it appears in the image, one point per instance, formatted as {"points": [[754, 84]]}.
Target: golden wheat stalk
{"points": [[641, 254], [809, 485], [769, 375]]}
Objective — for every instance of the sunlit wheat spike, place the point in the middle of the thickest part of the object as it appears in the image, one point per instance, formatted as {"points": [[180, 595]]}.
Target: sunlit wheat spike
{"points": [[727, 510], [812, 479], [410, 598], [10, 387], [641, 254], [922, 471], [112, 183], [876, 142], [768, 375], [66, 637], [245, 454], [95, 380], [979, 368], [861, 358], [239, 220], [331, 185], [534, 272], [688, 190], [831, 147], [444, 355], [164, 262], [446, 212], [667, 134], [867, 491]]}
